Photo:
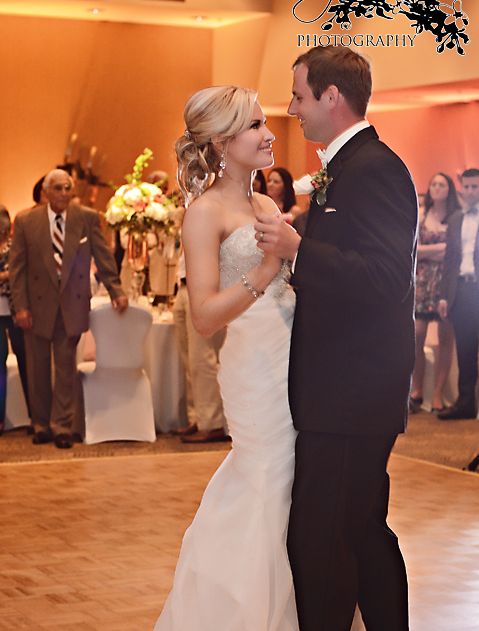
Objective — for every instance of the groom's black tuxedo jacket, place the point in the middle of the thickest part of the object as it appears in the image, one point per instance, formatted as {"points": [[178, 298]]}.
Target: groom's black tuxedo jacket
{"points": [[352, 347]]}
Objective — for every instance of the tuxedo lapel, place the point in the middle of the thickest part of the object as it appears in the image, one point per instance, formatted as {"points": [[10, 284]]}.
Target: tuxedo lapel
{"points": [[73, 232], [334, 171]]}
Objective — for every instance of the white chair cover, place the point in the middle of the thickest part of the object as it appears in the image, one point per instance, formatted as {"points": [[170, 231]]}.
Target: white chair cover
{"points": [[16, 413], [117, 394]]}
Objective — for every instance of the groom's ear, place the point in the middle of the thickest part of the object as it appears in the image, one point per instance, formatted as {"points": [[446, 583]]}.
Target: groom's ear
{"points": [[331, 96]]}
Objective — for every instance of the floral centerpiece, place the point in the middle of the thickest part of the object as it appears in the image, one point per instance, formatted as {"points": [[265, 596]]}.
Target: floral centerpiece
{"points": [[139, 206]]}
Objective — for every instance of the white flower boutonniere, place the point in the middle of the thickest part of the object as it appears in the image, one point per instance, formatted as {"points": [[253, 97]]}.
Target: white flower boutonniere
{"points": [[315, 185]]}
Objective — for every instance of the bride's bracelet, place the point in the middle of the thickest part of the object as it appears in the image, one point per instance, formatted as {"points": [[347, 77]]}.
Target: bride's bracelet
{"points": [[249, 287]]}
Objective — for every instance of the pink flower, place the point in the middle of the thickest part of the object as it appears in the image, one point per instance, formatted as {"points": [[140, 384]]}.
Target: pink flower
{"points": [[139, 206]]}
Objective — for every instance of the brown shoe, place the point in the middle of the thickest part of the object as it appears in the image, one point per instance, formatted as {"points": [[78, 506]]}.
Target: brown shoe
{"points": [[63, 441], [213, 436], [185, 431], [41, 438]]}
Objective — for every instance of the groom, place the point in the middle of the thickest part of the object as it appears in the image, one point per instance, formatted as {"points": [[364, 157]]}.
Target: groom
{"points": [[352, 352]]}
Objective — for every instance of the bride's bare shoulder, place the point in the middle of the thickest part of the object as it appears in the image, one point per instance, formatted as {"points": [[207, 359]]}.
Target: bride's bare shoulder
{"points": [[266, 203], [203, 214]]}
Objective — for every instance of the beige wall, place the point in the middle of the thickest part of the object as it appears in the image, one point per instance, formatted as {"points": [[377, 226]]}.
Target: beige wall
{"points": [[393, 67], [121, 87], [443, 138], [238, 51]]}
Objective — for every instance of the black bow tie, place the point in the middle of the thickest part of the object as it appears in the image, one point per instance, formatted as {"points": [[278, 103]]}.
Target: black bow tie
{"points": [[472, 211]]}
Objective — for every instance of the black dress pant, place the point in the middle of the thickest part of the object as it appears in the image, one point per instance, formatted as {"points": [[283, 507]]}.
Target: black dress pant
{"points": [[341, 549], [464, 315], [15, 333]]}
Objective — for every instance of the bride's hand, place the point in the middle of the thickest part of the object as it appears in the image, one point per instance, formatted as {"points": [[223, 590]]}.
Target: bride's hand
{"points": [[276, 236]]}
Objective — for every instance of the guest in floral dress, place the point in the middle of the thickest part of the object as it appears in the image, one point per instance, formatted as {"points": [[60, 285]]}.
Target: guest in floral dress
{"points": [[440, 202]]}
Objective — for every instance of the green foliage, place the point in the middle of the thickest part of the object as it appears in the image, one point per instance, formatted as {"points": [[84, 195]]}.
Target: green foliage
{"points": [[140, 164]]}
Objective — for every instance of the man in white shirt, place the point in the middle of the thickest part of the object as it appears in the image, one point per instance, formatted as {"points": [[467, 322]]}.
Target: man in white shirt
{"points": [[460, 295]]}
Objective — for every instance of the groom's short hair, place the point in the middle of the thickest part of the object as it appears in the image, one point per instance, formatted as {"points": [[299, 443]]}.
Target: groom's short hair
{"points": [[342, 67]]}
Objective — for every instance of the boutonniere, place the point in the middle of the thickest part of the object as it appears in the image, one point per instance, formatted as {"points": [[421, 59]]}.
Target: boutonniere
{"points": [[320, 181], [315, 185]]}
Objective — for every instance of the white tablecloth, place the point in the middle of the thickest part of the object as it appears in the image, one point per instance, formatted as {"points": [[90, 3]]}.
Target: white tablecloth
{"points": [[165, 371]]}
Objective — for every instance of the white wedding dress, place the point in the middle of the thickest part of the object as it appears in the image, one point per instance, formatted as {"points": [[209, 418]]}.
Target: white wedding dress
{"points": [[233, 572]]}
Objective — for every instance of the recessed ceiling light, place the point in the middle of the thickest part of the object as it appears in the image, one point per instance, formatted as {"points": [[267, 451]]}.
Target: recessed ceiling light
{"points": [[95, 10], [200, 18]]}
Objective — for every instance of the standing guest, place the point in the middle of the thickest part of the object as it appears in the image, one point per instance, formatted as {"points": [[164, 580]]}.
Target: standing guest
{"points": [[199, 355], [460, 295], [38, 195], [439, 204], [7, 322], [49, 264], [259, 183], [352, 351], [279, 187]]}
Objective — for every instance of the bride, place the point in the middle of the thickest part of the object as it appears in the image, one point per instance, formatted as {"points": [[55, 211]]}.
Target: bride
{"points": [[233, 572]]}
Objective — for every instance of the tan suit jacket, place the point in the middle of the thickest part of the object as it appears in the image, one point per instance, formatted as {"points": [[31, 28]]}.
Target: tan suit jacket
{"points": [[33, 278]]}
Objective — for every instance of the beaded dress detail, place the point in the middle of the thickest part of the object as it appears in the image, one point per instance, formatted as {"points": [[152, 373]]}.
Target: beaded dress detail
{"points": [[240, 255], [233, 572]]}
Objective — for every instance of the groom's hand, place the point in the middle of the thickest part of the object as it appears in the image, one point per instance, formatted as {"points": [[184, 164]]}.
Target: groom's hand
{"points": [[274, 235]]}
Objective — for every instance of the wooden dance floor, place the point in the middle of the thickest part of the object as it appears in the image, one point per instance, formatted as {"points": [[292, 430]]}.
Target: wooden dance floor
{"points": [[91, 545]]}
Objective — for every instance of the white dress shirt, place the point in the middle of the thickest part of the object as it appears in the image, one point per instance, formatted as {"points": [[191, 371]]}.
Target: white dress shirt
{"points": [[470, 225], [333, 148], [51, 218]]}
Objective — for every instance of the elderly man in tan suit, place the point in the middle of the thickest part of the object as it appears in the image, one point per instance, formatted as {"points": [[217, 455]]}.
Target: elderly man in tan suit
{"points": [[50, 261]]}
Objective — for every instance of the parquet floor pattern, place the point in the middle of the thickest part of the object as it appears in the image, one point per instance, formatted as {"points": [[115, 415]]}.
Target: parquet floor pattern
{"points": [[91, 545]]}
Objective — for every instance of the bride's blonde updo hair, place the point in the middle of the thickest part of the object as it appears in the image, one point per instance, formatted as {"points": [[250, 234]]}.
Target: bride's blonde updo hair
{"points": [[220, 113]]}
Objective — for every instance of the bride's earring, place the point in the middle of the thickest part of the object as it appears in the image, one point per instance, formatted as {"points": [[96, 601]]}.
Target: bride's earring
{"points": [[222, 168]]}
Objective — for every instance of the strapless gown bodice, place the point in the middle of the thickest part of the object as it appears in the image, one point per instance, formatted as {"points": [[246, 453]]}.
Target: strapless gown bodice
{"points": [[233, 572]]}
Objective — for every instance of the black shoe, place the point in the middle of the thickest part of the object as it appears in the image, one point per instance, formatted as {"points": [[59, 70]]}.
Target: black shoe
{"points": [[457, 413], [213, 436], [76, 437], [63, 441], [415, 404], [41, 438]]}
